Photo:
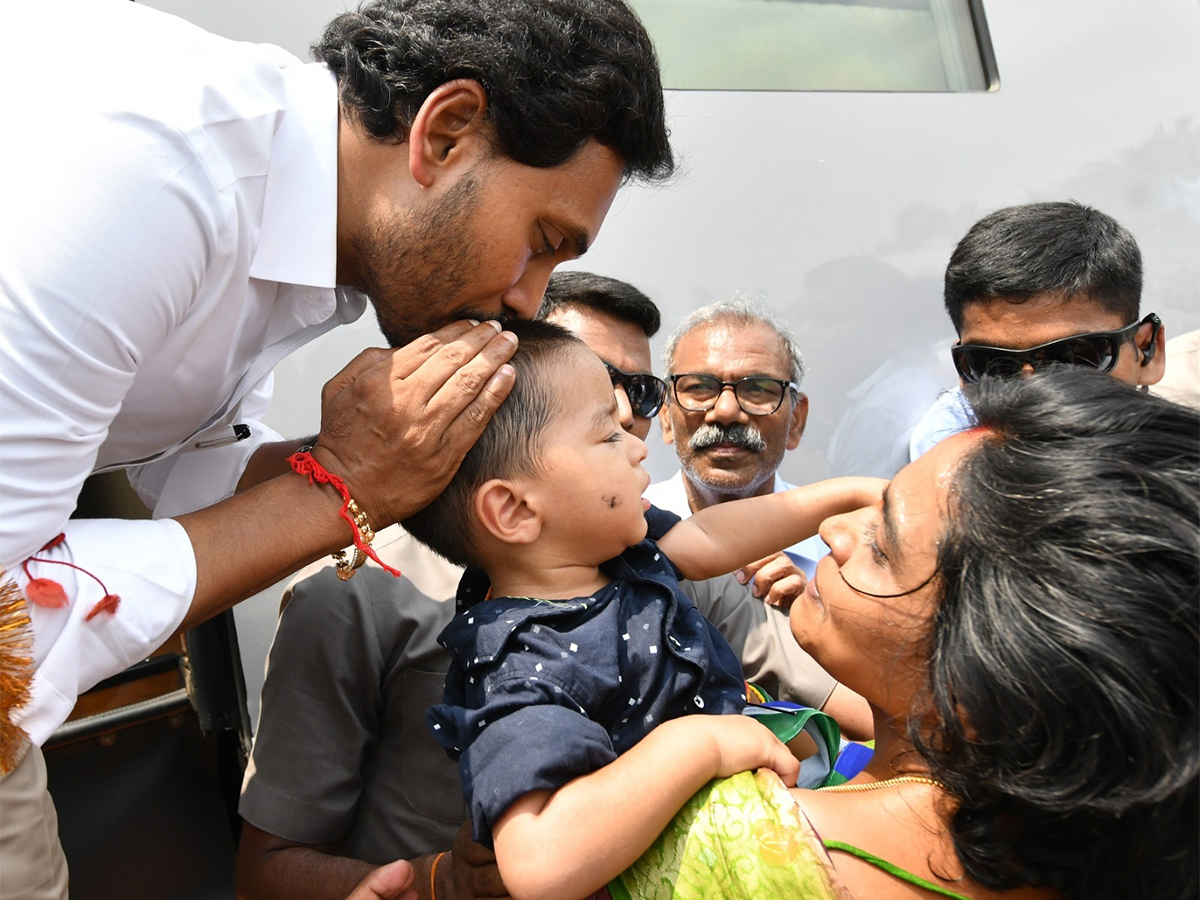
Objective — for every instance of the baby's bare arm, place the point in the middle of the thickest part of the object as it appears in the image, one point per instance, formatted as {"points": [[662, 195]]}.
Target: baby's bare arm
{"points": [[593, 828], [729, 535]]}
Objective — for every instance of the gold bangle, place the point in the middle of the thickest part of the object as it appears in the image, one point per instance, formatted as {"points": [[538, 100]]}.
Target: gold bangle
{"points": [[433, 875], [346, 567]]}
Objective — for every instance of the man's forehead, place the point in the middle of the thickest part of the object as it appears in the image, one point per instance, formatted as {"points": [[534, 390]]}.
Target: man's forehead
{"points": [[1018, 323], [732, 348], [616, 341]]}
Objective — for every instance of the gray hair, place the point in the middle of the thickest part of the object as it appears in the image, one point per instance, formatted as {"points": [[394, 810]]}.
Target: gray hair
{"points": [[739, 310]]}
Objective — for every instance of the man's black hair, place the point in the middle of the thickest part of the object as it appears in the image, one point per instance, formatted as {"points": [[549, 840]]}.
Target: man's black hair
{"points": [[556, 73], [510, 445], [1067, 248], [1063, 666], [605, 295]]}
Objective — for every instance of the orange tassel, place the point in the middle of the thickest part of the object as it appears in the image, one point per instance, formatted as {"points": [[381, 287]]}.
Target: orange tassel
{"points": [[49, 593], [46, 592], [108, 604], [16, 669]]}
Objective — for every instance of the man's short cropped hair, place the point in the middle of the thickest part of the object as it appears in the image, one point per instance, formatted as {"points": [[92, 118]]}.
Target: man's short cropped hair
{"points": [[740, 311], [1064, 247], [556, 73], [510, 445], [609, 296]]}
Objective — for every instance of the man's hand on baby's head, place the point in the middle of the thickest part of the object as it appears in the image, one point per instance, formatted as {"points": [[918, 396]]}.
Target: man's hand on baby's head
{"points": [[422, 405]]}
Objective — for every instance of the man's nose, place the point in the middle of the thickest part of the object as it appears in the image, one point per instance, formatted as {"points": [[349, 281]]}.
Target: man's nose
{"points": [[524, 297], [726, 408]]}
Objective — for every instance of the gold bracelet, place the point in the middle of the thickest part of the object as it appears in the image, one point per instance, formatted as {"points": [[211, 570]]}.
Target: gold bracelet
{"points": [[303, 463], [433, 875], [346, 567]]}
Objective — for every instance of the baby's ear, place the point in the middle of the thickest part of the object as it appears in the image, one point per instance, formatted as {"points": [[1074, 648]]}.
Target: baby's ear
{"points": [[504, 512]]}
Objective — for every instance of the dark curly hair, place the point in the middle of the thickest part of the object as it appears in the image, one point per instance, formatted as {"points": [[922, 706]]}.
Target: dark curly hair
{"points": [[556, 73], [1064, 665], [1021, 251]]}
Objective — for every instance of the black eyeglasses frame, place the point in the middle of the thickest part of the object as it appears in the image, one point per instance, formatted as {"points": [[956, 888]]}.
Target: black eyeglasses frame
{"points": [[782, 382]]}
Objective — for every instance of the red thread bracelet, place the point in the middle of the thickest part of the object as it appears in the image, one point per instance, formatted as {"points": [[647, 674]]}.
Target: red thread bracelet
{"points": [[304, 464]]}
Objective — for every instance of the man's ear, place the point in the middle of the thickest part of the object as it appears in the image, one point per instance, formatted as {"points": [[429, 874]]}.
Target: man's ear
{"points": [[1153, 357], [798, 420], [449, 130], [664, 423], [504, 511]]}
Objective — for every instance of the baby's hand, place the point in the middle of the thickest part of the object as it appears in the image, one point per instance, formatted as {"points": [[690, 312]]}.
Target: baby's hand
{"points": [[739, 744]]}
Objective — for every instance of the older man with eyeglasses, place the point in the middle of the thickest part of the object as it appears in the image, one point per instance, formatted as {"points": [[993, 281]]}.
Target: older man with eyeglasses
{"points": [[1041, 284], [734, 408]]}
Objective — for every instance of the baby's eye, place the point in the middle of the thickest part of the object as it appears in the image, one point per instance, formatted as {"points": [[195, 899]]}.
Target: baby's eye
{"points": [[615, 437]]}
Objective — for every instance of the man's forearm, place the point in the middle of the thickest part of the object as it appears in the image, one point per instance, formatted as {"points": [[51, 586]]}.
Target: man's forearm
{"points": [[268, 461], [299, 873], [259, 536], [304, 873]]}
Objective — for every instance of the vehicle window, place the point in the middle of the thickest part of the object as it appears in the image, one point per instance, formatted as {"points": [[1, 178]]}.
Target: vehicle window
{"points": [[822, 45]]}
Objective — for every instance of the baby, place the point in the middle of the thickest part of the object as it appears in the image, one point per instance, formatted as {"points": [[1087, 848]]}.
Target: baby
{"points": [[572, 640]]}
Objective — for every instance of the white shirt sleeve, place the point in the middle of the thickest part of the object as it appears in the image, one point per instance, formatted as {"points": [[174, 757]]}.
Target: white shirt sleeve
{"points": [[97, 265], [154, 576]]}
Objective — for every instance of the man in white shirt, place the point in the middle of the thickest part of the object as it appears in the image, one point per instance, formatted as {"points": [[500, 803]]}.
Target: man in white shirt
{"points": [[734, 408], [179, 212]]}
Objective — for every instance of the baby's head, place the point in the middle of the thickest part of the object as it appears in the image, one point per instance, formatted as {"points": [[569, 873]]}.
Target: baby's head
{"points": [[553, 462]]}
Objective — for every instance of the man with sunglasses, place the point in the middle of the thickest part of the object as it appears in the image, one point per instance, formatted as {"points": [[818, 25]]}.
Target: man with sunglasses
{"points": [[616, 321], [1041, 284], [345, 774]]}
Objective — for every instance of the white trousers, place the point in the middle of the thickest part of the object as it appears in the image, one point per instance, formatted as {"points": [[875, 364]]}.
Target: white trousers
{"points": [[32, 864]]}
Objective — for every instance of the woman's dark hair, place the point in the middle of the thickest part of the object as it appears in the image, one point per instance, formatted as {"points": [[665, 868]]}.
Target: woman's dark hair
{"points": [[1021, 251], [510, 444], [556, 73], [1064, 663]]}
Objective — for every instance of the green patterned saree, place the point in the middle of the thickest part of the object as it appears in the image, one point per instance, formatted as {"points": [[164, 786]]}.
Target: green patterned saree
{"points": [[739, 838]]}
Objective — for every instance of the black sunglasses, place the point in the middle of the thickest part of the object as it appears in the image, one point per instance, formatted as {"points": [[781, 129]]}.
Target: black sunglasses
{"points": [[645, 391], [1098, 350]]}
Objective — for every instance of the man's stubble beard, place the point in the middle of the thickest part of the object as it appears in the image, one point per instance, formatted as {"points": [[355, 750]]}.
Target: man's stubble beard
{"points": [[415, 272]]}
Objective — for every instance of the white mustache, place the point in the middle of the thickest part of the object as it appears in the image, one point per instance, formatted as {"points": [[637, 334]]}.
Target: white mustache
{"points": [[745, 436]]}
